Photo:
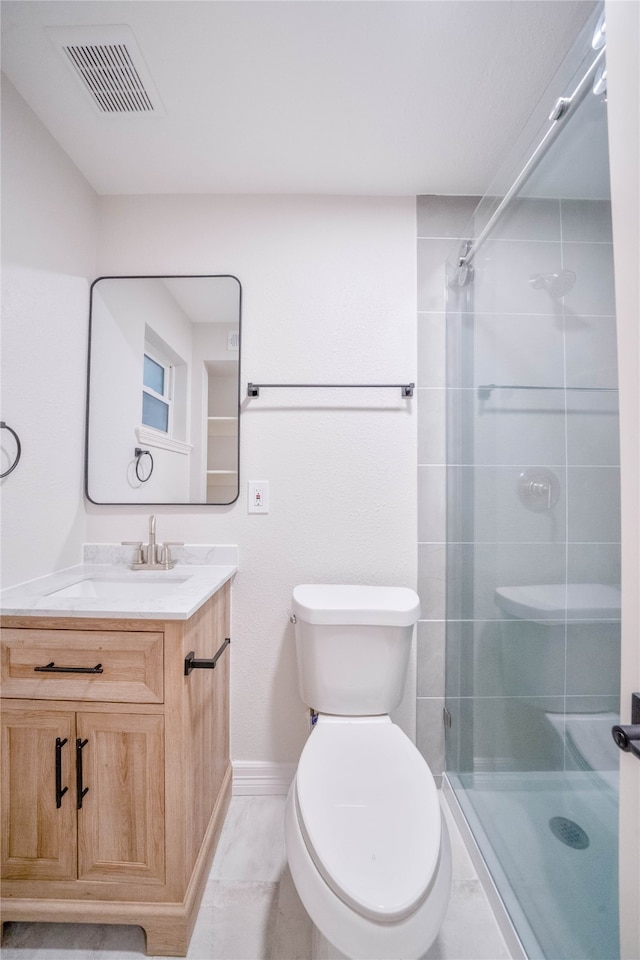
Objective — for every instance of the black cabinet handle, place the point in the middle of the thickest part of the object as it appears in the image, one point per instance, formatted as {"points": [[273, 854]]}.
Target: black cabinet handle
{"points": [[80, 790], [51, 668], [190, 662], [60, 790]]}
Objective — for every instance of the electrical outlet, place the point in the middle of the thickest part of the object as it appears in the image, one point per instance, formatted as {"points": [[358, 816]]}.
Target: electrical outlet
{"points": [[258, 496]]}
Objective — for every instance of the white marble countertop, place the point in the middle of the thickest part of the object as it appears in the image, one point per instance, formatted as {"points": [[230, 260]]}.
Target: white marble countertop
{"points": [[200, 571]]}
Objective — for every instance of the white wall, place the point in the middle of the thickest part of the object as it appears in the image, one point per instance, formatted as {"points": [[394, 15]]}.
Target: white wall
{"points": [[48, 247], [328, 295]]}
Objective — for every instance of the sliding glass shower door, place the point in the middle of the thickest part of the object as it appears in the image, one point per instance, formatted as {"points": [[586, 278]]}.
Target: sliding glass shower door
{"points": [[533, 607]]}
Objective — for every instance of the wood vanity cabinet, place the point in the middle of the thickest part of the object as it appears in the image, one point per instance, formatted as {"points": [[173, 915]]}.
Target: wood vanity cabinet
{"points": [[115, 774]]}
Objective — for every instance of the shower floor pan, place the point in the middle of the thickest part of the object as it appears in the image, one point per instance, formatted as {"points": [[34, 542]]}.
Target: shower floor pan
{"points": [[550, 841]]}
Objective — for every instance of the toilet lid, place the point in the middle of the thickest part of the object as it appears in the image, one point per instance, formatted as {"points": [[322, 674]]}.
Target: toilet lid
{"points": [[340, 603], [369, 813]]}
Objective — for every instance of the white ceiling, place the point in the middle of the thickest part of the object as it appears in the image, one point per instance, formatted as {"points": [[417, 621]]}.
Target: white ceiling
{"points": [[302, 96]]}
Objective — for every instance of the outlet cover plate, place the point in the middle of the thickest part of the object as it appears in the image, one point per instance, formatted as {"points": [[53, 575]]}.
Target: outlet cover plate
{"points": [[258, 496]]}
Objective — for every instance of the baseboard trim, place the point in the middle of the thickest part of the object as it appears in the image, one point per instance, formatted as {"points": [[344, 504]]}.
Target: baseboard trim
{"points": [[259, 778]]}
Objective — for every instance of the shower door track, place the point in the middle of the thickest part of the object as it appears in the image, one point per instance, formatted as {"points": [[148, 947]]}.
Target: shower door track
{"points": [[563, 108]]}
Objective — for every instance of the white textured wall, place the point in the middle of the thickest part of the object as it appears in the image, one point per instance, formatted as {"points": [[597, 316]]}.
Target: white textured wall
{"points": [[328, 295], [48, 245]]}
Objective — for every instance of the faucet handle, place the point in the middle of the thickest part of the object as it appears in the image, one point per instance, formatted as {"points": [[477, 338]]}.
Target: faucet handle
{"points": [[137, 553], [165, 551]]}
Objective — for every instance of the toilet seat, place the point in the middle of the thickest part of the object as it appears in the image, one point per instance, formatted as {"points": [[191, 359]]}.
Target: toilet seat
{"points": [[368, 810]]}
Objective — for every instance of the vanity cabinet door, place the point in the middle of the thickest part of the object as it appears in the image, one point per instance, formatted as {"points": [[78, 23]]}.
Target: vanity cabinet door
{"points": [[121, 821], [82, 796], [38, 813]]}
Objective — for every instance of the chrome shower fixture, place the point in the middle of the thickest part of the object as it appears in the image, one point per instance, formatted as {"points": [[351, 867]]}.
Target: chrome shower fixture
{"points": [[597, 43], [538, 489], [464, 272], [557, 285], [600, 80], [600, 33]]}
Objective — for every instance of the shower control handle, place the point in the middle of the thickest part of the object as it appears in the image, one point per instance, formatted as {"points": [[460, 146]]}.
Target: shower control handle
{"points": [[541, 490], [538, 489]]}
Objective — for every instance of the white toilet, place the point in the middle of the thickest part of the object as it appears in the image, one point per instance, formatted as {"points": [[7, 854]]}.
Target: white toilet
{"points": [[367, 846]]}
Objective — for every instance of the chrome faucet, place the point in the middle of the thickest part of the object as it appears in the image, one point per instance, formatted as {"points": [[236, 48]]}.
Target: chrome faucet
{"points": [[152, 556], [152, 547]]}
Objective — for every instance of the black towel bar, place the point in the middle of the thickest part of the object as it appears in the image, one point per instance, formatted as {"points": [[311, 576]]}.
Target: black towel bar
{"points": [[253, 389], [190, 662]]}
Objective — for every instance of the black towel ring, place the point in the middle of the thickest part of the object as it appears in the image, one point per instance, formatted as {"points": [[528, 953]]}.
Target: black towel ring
{"points": [[5, 426], [139, 454]]}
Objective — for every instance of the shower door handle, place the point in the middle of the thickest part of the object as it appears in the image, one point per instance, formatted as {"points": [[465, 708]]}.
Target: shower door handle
{"points": [[628, 737]]}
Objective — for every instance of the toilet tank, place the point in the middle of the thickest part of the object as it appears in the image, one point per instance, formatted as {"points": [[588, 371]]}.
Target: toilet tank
{"points": [[352, 646]]}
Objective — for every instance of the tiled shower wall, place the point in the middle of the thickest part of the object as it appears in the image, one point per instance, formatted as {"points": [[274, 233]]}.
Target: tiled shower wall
{"points": [[520, 335], [440, 221]]}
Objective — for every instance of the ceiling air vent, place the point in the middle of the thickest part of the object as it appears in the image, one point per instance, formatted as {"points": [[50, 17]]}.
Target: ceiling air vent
{"points": [[108, 63]]}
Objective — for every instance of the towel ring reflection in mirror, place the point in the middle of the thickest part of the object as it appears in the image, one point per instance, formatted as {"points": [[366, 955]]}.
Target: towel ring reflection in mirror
{"points": [[139, 454]]}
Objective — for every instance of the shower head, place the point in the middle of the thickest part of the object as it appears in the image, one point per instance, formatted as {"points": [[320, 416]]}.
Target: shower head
{"points": [[557, 285]]}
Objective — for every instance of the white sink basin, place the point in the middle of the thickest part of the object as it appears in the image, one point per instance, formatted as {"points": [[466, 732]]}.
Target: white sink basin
{"points": [[107, 588]]}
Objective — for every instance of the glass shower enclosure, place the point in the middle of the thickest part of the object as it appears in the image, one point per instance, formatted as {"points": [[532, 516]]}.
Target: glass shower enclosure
{"points": [[533, 528]]}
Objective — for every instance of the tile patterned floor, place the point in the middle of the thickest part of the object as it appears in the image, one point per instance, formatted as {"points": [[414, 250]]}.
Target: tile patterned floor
{"points": [[251, 911]]}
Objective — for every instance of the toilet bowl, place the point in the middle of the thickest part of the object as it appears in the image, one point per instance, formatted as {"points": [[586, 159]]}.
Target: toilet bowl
{"points": [[367, 846]]}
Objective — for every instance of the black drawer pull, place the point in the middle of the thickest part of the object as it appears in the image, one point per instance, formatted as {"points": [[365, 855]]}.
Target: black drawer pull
{"points": [[51, 668], [80, 790], [190, 662], [60, 790]]}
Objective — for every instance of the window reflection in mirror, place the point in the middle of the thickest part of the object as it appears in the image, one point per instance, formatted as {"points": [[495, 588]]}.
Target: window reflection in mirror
{"points": [[156, 393], [164, 377]]}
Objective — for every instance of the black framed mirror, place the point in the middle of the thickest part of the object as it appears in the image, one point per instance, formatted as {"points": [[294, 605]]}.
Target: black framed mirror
{"points": [[163, 390]]}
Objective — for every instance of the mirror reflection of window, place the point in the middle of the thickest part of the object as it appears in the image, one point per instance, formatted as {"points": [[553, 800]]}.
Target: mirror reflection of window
{"points": [[155, 394], [175, 343]]}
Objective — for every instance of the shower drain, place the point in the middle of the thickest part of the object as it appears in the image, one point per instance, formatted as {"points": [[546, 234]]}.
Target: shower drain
{"points": [[569, 833]]}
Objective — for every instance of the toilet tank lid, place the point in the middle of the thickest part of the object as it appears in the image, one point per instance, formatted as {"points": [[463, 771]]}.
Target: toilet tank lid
{"points": [[356, 604]]}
